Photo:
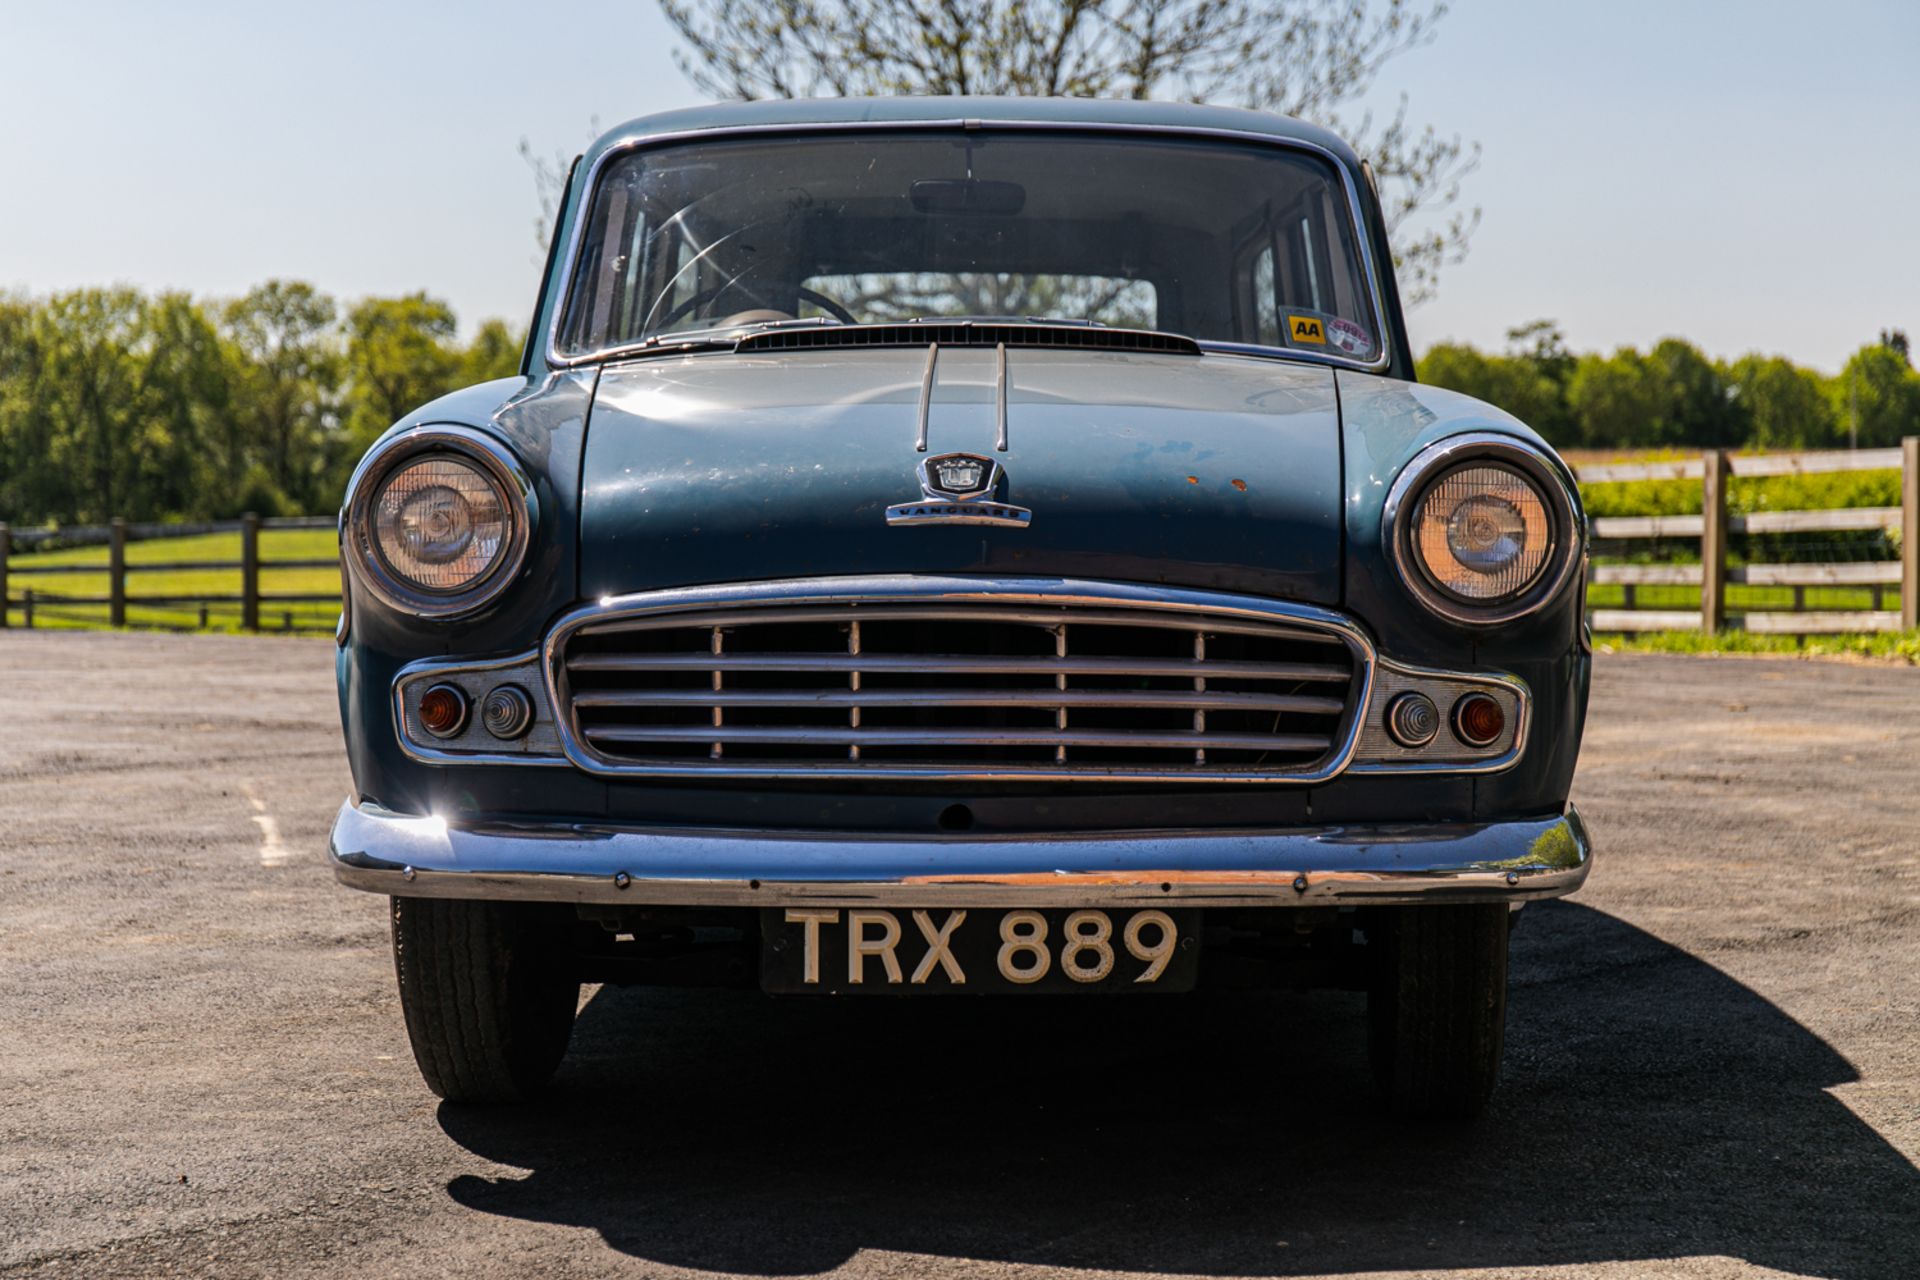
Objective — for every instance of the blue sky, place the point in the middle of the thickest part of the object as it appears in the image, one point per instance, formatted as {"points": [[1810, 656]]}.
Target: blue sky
{"points": [[1743, 175]]}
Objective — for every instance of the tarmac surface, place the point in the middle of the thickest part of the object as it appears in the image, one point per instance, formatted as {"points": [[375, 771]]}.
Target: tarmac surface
{"points": [[1713, 1063]]}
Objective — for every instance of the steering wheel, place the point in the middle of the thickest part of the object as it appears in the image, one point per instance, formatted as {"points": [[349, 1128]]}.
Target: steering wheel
{"points": [[827, 305], [814, 296]]}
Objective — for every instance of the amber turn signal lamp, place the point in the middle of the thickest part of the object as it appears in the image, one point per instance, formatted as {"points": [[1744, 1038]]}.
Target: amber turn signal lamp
{"points": [[1479, 720], [443, 710]]}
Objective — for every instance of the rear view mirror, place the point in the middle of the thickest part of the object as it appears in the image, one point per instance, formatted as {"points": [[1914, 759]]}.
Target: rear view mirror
{"points": [[968, 195]]}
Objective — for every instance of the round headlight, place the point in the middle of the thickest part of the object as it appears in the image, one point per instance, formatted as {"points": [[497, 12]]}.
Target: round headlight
{"points": [[1482, 533], [1482, 528], [439, 519], [440, 523]]}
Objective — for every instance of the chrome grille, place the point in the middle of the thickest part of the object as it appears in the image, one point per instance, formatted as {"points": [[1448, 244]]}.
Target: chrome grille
{"points": [[959, 689]]}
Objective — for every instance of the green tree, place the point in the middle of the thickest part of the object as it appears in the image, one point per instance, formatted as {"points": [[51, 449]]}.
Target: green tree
{"points": [[1507, 382], [184, 404], [493, 353], [1615, 400], [1541, 344], [1303, 59], [1672, 396], [400, 354], [27, 471], [1783, 405], [126, 393], [1877, 397], [1696, 403], [288, 363], [118, 403], [89, 393], [1529, 381]]}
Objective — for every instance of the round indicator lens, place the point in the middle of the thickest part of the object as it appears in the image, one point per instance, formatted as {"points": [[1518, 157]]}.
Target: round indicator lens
{"points": [[443, 710], [1412, 720], [1479, 720], [507, 712]]}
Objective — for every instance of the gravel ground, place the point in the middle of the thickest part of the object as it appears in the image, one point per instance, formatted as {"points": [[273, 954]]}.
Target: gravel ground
{"points": [[1713, 1066]]}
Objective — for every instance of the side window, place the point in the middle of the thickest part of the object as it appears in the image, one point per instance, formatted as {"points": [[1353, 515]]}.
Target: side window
{"points": [[1304, 243], [636, 268], [1324, 273], [677, 277], [1266, 300], [1295, 260]]}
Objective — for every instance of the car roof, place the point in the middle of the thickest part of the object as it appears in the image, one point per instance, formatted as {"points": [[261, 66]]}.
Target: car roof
{"points": [[787, 113]]}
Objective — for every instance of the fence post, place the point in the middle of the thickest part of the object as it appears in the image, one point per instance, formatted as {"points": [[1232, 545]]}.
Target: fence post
{"points": [[1910, 533], [1713, 542], [250, 572], [117, 572], [26, 608], [6, 549]]}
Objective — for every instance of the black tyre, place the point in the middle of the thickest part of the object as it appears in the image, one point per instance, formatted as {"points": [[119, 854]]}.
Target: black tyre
{"points": [[1437, 1008], [488, 994]]}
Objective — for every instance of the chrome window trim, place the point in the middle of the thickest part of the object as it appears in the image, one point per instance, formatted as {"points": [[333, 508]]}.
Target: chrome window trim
{"points": [[1048, 593], [561, 287], [1522, 726], [1564, 555], [356, 527]]}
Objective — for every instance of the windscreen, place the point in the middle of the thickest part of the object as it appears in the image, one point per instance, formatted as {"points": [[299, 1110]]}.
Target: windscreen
{"points": [[1214, 240]]}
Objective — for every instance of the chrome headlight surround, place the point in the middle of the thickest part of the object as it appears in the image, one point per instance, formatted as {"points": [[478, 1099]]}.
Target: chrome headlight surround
{"points": [[501, 469], [1565, 537]]}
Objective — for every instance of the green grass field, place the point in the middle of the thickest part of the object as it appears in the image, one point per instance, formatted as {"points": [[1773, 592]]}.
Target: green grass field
{"points": [[89, 578], [1885, 646], [1741, 598]]}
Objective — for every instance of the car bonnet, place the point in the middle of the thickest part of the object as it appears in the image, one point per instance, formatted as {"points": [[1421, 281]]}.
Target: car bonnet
{"points": [[1213, 471]]}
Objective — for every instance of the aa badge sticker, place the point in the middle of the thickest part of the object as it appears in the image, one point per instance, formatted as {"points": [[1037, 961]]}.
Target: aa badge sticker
{"points": [[1307, 329]]}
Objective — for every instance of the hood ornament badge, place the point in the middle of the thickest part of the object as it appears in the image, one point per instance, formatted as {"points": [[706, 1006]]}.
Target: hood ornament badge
{"points": [[958, 488]]}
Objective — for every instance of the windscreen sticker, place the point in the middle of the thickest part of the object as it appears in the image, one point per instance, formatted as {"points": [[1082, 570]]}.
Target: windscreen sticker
{"points": [[1349, 337], [1306, 329]]}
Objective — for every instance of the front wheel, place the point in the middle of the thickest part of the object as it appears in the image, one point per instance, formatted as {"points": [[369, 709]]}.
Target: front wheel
{"points": [[488, 994], [1437, 1008]]}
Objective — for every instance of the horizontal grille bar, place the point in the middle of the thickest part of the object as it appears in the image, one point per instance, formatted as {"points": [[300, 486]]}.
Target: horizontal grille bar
{"points": [[959, 737], [1029, 617], [1120, 698], [963, 682], [959, 664]]}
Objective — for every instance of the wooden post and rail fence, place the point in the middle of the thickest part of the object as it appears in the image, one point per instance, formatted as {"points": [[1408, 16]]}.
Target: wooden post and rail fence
{"points": [[1712, 574], [1715, 526], [21, 604]]}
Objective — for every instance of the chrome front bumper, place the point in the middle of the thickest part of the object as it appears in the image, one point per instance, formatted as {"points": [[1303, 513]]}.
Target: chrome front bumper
{"points": [[430, 857]]}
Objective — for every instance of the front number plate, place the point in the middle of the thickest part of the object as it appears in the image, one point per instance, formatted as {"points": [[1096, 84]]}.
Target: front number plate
{"points": [[865, 950]]}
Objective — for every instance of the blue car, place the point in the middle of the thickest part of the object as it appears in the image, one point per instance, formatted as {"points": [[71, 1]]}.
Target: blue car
{"points": [[971, 545]]}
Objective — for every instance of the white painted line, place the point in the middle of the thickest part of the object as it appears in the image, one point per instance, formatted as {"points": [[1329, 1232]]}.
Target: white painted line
{"points": [[273, 850]]}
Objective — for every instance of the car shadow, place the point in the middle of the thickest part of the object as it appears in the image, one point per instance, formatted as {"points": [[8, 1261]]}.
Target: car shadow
{"points": [[1652, 1108]]}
